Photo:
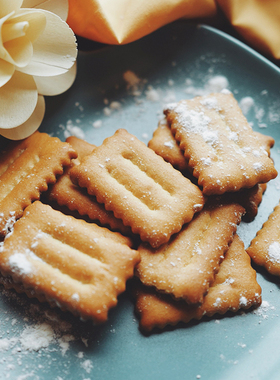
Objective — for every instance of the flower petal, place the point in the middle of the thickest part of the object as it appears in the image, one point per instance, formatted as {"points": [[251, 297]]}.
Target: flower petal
{"points": [[3, 52], [59, 7], [20, 51], [55, 49], [18, 99], [6, 72], [31, 125], [36, 20], [12, 30], [8, 6], [56, 85], [18, 31]]}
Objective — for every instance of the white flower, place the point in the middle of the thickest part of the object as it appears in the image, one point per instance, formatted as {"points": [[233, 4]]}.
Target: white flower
{"points": [[37, 57]]}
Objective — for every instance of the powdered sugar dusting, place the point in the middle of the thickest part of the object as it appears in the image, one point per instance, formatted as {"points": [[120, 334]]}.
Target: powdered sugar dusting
{"points": [[87, 365], [36, 337], [210, 102], [72, 129], [246, 104], [243, 302], [20, 264], [193, 121], [264, 309], [274, 252], [39, 331]]}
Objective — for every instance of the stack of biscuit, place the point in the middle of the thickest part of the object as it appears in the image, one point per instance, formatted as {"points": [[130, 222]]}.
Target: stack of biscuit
{"points": [[70, 263], [166, 213], [208, 138]]}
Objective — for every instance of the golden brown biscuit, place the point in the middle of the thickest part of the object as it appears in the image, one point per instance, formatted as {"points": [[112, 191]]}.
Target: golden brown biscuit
{"points": [[235, 287], [82, 147], [147, 193], [164, 144], [77, 265], [27, 168], [265, 247], [219, 144], [267, 142], [65, 193], [185, 266], [250, 199]]}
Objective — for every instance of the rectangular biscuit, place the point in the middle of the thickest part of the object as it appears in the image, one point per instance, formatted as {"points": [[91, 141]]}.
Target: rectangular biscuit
{"points": [[147, 193], [219, 144], [265, 247], [65, 193], [235, 287], [165, 145], [27, 167], [185, 266], [77, 265]]}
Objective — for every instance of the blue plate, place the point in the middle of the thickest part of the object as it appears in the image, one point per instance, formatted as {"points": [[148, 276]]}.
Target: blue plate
{"points": [[175, 62]]}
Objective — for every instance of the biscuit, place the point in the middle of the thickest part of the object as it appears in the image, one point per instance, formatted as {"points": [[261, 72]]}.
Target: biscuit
{"points": [[185, 266], [82, 147], [65, 193], [250, 199], [165, 145], [235, 287], [143, 190], [219, 144], [27, 168], [265, 247], [79, 266]]}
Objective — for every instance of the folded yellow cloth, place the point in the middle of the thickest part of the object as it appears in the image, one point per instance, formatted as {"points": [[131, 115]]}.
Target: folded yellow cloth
{"points": [[258, 21], [124, 21]]}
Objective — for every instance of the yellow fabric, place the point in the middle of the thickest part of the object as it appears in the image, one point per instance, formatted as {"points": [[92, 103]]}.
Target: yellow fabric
{"points": [[124, 21], [258, 21]]}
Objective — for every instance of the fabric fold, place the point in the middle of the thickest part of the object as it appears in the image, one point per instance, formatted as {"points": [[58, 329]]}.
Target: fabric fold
{"points": [[124, 21]]}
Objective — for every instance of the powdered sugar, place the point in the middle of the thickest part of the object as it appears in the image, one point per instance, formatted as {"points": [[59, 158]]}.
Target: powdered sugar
{"points": [[9, 225], [72, 129], [263, 310], [243, 302], [97, 124], [75, 297], [217, 83], [87, 365], [169, 144], [246, 104], [193, 121], [20, 264], [274, 252], [39, 331], [210, 102], [257, 166], [33, 338], [152, 94]]}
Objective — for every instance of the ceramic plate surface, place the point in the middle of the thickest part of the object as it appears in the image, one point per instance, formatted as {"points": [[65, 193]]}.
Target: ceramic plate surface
{"points": [[179, 61]]}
